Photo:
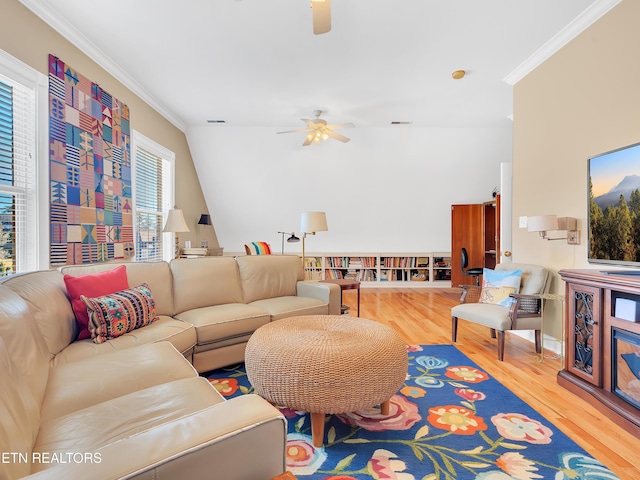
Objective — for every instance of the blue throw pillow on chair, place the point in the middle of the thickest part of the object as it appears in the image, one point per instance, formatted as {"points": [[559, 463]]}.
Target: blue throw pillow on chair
{"points": [[497, 285]]}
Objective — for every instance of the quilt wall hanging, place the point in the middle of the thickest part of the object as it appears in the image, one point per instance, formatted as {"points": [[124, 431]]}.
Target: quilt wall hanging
{"points": [[89, 170]]}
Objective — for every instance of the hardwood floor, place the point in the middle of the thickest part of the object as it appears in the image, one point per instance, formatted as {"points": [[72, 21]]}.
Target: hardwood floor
{"points": [[423, 316]]}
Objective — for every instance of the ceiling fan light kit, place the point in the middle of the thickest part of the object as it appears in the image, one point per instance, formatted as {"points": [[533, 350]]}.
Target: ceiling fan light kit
{"points": [[318, 129], [321, 13]]}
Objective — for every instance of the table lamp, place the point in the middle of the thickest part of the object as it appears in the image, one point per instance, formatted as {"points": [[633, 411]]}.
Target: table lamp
{"points": [[175, 224], [205, 219]]}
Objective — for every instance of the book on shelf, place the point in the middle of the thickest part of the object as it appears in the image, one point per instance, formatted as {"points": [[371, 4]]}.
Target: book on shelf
{"points": [[312, 262]]}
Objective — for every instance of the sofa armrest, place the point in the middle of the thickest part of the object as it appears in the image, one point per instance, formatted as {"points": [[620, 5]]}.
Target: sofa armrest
{"points": [[244, 437], [326, 292]]}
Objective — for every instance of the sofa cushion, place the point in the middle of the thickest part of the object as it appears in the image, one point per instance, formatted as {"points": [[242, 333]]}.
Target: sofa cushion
{"points": [[283, 307], [19, 416], [156, 274], [24, 359], [55, 317], [269, 276], [89, 429], [219, 323], [77, 385], [113, 315], [182, 335], [92, 285], [201, 282]]}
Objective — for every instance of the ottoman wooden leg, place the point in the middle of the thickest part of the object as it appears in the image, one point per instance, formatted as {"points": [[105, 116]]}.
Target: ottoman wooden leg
{"points": [[384, 407], [317, 429]]}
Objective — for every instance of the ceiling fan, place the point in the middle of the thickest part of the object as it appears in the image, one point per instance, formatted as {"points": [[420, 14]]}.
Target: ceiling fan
{"points": [[321, 13], [317, 129]]}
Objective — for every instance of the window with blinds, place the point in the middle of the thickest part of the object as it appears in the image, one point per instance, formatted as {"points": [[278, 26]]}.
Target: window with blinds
{"points": [[18, 202], [152, 197]]}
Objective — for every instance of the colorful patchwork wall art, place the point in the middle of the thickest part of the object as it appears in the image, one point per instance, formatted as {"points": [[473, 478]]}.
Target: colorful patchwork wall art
{"points": [[89, 171]]}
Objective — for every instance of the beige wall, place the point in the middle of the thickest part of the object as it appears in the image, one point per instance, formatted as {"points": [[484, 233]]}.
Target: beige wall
{"points": [[26, 37], [583, 101]]}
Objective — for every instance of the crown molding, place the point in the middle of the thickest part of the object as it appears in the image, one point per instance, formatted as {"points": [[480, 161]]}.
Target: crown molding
{"points": [[64, 28], [593, 13]]}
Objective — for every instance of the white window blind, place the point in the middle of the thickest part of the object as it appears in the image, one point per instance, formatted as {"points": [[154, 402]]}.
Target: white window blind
{"points": [[152, 197], [18, 201]]}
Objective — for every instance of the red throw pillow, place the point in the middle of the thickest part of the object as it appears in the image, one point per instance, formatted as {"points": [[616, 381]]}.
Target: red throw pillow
{"points": [[93, 285]]}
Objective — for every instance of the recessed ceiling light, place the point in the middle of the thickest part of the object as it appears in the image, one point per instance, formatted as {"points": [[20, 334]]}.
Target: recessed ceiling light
{"points": [[458, 74], [401, 122], [216, 121]]}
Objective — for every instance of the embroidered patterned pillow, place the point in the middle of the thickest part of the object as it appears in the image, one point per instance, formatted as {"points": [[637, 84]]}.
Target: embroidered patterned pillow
{"points": [[497, 285], [113, 315]]}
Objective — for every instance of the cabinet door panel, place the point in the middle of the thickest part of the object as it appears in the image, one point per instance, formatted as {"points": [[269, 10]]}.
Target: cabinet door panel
{"points": [[584, 324]]}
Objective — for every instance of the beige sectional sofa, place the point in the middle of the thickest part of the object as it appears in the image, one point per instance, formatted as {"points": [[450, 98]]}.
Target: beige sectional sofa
{"points": [[134, 407]]}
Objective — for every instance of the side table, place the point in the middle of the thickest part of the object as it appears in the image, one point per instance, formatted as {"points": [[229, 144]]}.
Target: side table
{"points": [[346, 284], [551, 296]]}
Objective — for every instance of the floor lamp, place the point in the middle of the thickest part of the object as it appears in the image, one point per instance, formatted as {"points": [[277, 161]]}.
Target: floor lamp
{"points": [[176, 224], [291, 239], [310, 223]]}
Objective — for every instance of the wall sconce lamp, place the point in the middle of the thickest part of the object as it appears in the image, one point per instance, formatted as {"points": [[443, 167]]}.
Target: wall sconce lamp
{"points": [[291, 239], [545, 223], [310, 223], [175, 224]]}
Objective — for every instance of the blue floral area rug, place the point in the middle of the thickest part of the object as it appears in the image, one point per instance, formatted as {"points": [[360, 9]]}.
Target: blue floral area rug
{"points": [[450, 420]]}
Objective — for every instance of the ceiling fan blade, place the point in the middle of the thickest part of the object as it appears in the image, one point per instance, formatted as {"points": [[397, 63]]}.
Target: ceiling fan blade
{"points": [[292, 131], [340, 125], [337, 136], [321, 13]]}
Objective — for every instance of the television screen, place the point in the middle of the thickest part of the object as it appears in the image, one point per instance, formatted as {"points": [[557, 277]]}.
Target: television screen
{"points": [[614, 207]]}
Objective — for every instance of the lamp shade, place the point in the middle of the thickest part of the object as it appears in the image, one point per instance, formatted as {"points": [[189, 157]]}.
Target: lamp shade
{"points": [[175, 222], [542, 223], [205, 219], [311, 222], [293, 238]]}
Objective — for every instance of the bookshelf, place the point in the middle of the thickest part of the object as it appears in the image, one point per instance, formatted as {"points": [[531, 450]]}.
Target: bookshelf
{"points": [[431, 269]]}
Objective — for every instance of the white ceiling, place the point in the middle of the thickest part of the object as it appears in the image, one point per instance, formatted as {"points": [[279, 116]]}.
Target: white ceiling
{"points": [[257, 62]]}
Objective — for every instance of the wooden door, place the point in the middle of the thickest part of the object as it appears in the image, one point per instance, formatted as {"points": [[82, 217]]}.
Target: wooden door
{"points": [[466, 231], [491, 232]]}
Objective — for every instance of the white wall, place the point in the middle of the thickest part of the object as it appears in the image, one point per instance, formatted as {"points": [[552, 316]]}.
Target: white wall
{"points": [[582, 101], [388, 190]]}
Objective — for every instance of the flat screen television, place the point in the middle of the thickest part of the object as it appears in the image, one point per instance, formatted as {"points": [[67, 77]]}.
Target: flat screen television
{"points": [[614, 207]]}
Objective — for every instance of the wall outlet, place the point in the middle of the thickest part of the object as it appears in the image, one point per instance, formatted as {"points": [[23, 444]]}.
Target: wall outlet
{"points": [[522, 222]]}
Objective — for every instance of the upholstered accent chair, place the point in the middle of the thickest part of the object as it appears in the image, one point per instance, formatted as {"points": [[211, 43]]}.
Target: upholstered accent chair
{"points": [[524, 310], [257, 248]]}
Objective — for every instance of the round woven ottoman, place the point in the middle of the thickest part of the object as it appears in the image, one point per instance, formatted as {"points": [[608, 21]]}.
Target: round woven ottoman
{"points": [[325, 364]]}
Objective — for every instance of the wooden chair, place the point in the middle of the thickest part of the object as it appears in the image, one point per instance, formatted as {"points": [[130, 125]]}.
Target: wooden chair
{"points": [[257, 248], [525, 312]]}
